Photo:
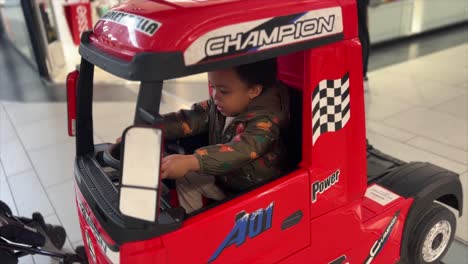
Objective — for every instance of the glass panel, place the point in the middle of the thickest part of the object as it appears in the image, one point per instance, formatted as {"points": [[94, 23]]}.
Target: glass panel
{"points": [[16, 28]]}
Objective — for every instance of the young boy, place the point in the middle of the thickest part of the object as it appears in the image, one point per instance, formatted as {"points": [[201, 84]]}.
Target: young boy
{"points": [[243, 119]]}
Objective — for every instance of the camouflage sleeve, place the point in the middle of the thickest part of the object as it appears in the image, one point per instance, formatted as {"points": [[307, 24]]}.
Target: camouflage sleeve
{"points": [[187, 122], [252, 143]]}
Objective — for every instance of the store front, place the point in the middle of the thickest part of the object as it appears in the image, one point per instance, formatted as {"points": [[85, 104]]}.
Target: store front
{"points": [[30, 27]]}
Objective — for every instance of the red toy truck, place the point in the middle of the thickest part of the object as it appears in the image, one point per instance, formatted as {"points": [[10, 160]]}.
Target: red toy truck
{"points": [[340, 202]]}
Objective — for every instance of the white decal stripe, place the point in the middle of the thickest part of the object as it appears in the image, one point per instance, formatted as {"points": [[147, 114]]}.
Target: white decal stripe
{"points": [[197, 50], [113, 256], [380, 195], [311, 17], [133, 22], [312, 25]]}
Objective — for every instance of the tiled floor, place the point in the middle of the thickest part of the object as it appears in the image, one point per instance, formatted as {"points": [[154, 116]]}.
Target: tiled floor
{"points": [[388, 53], [416, 110]]}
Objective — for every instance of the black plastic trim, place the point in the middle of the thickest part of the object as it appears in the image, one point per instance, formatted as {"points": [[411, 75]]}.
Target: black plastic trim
{"points": [[292, 220], [379, 164], [152, 66], [102, 198], [425, 183], [84, 110], [148, 102]]}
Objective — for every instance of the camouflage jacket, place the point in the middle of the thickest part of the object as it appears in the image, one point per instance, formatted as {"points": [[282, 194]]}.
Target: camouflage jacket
{"points": [[249, 151]]}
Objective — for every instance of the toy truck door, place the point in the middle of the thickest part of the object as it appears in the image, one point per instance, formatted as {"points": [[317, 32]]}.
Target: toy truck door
{"points": [[263, 226]]}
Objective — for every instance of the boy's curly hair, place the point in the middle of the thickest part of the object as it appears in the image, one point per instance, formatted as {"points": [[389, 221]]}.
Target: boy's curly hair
{"points": [[260, 72]]}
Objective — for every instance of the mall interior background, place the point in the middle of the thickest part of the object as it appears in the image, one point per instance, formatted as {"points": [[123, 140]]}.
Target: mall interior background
{"points": [[422, 42]]}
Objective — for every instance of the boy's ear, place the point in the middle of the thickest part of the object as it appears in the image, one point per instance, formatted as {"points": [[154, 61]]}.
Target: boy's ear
{"points": [[255, 91]]}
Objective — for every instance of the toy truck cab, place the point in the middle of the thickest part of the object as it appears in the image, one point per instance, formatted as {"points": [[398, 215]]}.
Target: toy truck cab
{"points": [[339, 202]]}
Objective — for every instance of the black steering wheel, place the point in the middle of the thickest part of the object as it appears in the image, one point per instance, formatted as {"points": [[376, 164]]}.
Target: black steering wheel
{"points": [[112, 155]]}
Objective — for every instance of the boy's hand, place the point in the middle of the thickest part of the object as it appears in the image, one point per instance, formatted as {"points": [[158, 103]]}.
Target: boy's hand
{"points": [[176, 166]]}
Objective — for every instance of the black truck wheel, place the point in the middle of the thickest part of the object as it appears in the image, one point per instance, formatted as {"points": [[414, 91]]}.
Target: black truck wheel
{"points": [[432, 236]]}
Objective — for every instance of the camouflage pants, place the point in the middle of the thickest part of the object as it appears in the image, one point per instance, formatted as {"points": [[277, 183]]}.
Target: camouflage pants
{"points": [[193, 187]]}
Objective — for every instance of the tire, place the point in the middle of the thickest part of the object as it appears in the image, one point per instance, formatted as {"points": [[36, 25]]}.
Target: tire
{"points": [[432, 236], [81, 252], [4, 208], [57, 236]]}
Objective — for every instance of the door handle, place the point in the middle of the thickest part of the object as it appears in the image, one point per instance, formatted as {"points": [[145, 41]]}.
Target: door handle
{"points": [[292, 220]]}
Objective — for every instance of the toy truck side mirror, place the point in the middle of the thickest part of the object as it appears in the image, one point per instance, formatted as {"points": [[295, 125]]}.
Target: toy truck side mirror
{"points": [[141, 162]]}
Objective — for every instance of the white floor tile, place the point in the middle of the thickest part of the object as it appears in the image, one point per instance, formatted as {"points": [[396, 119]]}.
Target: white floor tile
{"points": [[443, 150], [165, 108], [431, 124], [62, 197], [44, 133], [380, 106], [457, 56], [101, 76], [462, 225], [407, 153], [425, 93], [26, 113], [112, 109], [447, 75], [26, 260], [112, 121], [391, 132], [458, 62], [431, 70], [14, 158], [388, 79], [97, 139], [457, 254], [173, 103], [2, 172], [453, 51], [6, 196], [109, 129], [7, 132], [54, 164], [457, 107], [41, 259], [196, 91], [29, 195], [77, 243]]}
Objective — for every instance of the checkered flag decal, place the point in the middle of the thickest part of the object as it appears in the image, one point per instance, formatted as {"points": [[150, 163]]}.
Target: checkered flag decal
{"points": [[330, 106]]}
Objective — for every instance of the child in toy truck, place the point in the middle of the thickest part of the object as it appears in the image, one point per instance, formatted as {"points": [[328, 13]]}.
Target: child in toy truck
{"points": [[244, 119]]}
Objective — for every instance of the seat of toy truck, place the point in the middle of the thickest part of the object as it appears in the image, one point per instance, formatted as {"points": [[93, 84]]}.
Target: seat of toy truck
{"points": [[111, 156]]}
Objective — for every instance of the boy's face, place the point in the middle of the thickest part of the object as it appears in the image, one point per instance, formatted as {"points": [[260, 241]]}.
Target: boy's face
{"points": [[230, 93]]}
